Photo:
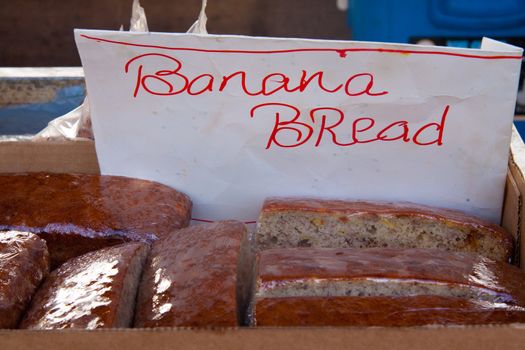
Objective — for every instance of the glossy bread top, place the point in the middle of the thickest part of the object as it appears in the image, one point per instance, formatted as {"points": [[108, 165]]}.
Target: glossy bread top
{"points": [[190, 278], [281, 265], [84, 292], [24, 262], [91, 205], [383, 311]]}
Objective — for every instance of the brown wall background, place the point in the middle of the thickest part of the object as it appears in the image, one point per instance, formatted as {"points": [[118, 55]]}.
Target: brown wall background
{"points": [[40, 32]]}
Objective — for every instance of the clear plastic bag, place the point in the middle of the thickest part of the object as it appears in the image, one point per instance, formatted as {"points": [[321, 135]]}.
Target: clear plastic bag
{"points": [[77, 123]]}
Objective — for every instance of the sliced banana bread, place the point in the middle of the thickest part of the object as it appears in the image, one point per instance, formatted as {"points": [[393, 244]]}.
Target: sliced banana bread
{"points": [[308, 222], [77, 214], [94, 290], [383, 287], [197, 277]]}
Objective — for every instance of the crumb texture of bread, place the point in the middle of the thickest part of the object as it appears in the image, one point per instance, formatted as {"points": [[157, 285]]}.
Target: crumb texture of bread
{"points": [[293, 222], [366, 287], [24, 263], [76, 214], [128, 295], [192, 278], [94, 290]]}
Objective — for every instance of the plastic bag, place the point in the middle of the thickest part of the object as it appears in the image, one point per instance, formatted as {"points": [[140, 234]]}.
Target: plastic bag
{"points": [[74, 124], [138, 22], [199, 27], [77, 123]]}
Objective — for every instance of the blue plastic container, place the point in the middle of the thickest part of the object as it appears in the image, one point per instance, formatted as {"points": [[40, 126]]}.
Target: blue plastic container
{"points": [[458, 23], [447, 22]]}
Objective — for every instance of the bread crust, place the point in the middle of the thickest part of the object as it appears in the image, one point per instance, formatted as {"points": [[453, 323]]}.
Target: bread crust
{"points": [[24, 263], [346, 207], [76, 214], [280, 268], [86, 292], [383, 312], [190, 278]]}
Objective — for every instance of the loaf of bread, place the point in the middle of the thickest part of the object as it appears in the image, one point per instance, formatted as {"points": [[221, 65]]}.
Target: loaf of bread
{"points": [[197, 277], [302, 222], [94, 290], [24, 262], [76, 214], [384, 287]]}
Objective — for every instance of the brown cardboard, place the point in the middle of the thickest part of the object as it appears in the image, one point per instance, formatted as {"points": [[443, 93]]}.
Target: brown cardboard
{"points": [[517, 171], [510, 219], [80, 157], [55, 157], [465, 338], [511, 206]]}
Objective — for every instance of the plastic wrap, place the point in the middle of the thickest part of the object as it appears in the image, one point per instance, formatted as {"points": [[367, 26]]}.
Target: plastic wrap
{"points": [[24, 263], [95, 290], [138, 22], [199, 27], [383, 287], [77, 123], [76, 214], [313, 222], [195, 278]]}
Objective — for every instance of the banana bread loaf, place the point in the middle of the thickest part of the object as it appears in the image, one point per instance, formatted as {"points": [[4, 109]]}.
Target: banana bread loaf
{"points": [[24, 263], [76, 214], [307, 222], [94, 290], [384, 287], [197, 276]]}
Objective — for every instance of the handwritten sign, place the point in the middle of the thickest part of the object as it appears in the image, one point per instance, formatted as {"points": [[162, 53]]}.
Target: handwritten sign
{"points": [[231, 120]]}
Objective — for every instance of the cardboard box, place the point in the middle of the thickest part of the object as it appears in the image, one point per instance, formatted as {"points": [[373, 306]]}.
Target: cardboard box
{"points": [[80, 157]]}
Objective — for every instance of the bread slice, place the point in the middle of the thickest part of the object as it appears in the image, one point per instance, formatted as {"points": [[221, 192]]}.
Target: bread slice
{"points": [[94, 290], [308, 222], [383, 287], [24, 263], [77, 214], [197, 277]]}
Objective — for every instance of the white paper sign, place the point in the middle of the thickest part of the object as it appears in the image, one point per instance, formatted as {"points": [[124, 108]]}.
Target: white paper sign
{"points": [[230, 120]]}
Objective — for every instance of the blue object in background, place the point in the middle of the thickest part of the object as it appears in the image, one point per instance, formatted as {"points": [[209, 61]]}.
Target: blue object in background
{"points": [[28, 119], [520, 126], [404, 20], [457, 23]]}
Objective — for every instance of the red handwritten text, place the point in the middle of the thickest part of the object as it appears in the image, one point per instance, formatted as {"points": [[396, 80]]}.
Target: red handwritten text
{"points": [[173, 80], [289, 131], [290, 128]]}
